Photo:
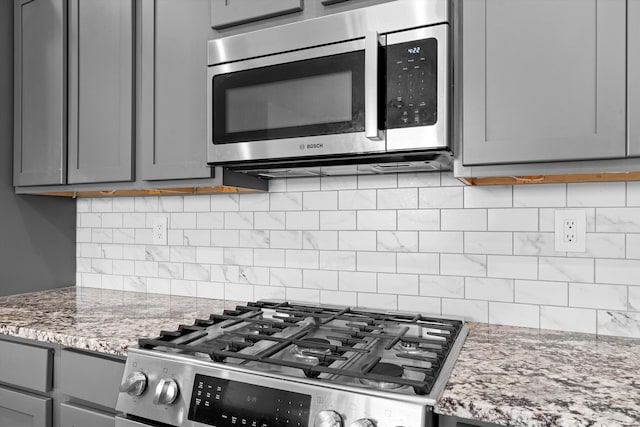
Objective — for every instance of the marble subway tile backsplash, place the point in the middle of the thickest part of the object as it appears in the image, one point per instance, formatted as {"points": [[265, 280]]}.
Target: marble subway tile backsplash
{"points": [[413, 242]]}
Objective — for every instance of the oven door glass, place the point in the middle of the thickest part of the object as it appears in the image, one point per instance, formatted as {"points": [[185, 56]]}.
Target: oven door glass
{"points": [[316, 96]]}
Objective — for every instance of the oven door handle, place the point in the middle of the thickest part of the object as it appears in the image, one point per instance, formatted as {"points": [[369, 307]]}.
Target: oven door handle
{"points": [[371, 58], [125, 422]]}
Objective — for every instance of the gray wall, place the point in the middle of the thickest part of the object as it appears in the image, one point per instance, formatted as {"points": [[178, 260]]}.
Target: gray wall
{"points": [[37, 234]]}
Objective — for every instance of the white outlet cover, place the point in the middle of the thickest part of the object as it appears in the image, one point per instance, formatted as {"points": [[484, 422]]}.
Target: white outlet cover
{"points": [[580, 242], [159, 231]]}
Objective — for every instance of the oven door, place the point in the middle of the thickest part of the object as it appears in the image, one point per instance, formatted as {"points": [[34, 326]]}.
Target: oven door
{"points": [[314, 102], [125, 422]]}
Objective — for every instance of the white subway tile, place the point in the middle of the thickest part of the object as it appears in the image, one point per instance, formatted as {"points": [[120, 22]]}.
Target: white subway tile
{"points": [[174, 204], [463, 265], [357, 199], [337, 260], [102, 204], [357, 240], [464, 219], [183, 254], [547, 218], [302, 259], [512, 267], [100, 235], [419, 179], [197, 203], [277, 185], [541, 244], [377, 220], [303, 184], [470, 310], [287, 277], [124, 235], [285, 201], [320, 201], [286, 239], [209, 255], [323, 240], [254, 275], [562, 269], [225, 202], [171, 270], [495, 243], [133, 252], [603, 245], [588, 295], [389, 180], [339, 182], [345, 220], [269, 220], [568, 319], [303, 220], [521, 219], [134, 220], [539, 195], [101, 266], [404, 284], [268, 257], [618, 220], [146, 268], [623, 323], [633, 193], [112, 220], [123, 267], [238, 256], [201, 272], [442, 286], [238, 220], [541, 292], [489, 289], [213, 290], [209, 220], [269, 292], [596, 194], [441, 241], [397, 241], [196, 238], [83, 235], [493, 196], [378, 301], [403, 198], [157, 253], [134, 284], [123, 204], [83, 205], [91, 280], [339, 298], [114, 251], [447, 180], [320, 279], [238, 292], [441, 197], [303, 295], [83, 265], [254, 202], [183, 220], [88, 220], [422, 305], [158, 286], [225, 273], [254, 239], [418, 263], [633, 246], [143, 236], [524, 315], [146, 204], [634, 298], [225, 238], [419, 219], [376, 261], [357, 281], [175, 237]]}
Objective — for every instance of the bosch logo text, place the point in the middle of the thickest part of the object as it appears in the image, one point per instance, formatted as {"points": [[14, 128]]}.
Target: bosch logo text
{"points": [[311, 146]]}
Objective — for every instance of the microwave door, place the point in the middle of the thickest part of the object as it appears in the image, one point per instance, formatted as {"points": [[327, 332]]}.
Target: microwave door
{"points": [[301, 104]]}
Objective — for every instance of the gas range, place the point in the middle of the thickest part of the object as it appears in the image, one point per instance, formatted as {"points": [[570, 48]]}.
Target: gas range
{"points": [[272, 363]]}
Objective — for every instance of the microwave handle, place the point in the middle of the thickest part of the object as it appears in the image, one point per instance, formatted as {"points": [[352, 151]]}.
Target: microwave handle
{"points": [[371, 50]]}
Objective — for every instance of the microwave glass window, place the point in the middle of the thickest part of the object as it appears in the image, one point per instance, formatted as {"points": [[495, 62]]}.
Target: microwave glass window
{"points": [[322, 99], [317, 96]]}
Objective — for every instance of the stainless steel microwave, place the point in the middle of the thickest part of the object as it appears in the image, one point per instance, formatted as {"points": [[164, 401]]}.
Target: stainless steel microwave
{"points": [[372, 84]]}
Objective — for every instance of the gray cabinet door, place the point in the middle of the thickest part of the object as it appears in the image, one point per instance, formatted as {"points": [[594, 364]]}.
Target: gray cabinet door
{"points": [[40, 120], [24, 410], [542, 80], [78, 416], [27, 366], [172, 104], [633, 73], [225, 13], [101, 82]]}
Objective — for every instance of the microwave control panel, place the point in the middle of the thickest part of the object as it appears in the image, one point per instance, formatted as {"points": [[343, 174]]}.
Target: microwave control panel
{"points": [[412, 84]]}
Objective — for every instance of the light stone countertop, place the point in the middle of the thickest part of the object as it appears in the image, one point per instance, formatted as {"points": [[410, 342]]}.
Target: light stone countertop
{"points": [[506, 375]]}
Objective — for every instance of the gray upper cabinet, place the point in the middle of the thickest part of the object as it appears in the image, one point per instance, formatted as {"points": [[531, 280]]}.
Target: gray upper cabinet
{"points": [[101, 87], [40, 92], [543, 80], [225, 13], [172, 100], [633, 73]]}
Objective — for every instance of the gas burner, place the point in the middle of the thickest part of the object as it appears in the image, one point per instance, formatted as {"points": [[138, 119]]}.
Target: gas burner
{"points": [[311, 352], [409, 347], [387, 370]]}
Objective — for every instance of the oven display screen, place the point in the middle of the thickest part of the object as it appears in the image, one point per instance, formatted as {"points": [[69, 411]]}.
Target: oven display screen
{"points": [[225, 403]]}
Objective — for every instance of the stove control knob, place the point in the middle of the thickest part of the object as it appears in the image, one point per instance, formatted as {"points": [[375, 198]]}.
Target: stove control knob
{"points": [[166, 392], [362, 422], [328, 419], [134, 384]]}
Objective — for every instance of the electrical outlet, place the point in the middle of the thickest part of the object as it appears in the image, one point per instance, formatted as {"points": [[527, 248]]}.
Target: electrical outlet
{"points": [[570, 230], [159, 231]]}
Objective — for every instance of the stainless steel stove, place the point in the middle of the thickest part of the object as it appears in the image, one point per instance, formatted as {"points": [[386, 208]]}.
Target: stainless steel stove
{"points": [[282, 364]]}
